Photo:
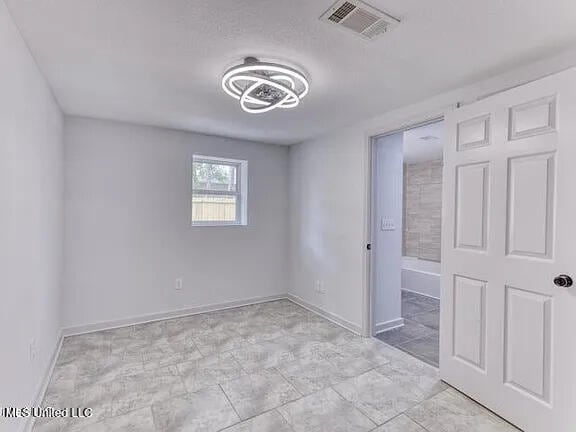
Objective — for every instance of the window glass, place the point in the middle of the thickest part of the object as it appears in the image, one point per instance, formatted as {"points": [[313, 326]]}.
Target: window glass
{"points": [[218, 191], [214, 177]]}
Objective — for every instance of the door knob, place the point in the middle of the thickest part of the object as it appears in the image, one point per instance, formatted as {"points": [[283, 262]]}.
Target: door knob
{"points": [[563, 281]]}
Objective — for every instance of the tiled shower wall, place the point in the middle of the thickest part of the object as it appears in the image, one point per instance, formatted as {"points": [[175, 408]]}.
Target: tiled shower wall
{"points": [[422, 210]]}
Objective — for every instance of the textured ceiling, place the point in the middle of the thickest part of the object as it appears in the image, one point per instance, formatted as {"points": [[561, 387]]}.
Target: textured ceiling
{"points": [[159, 62]]}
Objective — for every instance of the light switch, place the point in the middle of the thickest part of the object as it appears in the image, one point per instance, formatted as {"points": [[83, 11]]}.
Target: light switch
{"points": [[387, 224]]}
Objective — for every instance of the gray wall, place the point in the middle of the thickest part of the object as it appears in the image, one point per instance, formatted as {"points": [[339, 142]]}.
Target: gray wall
{"points": [[128, 234], [423, 210], [31, 222]]}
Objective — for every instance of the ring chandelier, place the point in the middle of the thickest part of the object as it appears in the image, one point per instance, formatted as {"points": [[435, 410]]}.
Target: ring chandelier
{"points": [[262, 87]]}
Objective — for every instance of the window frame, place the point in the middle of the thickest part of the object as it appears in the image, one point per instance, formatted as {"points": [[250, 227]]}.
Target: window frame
{"points": [[241, 192]]}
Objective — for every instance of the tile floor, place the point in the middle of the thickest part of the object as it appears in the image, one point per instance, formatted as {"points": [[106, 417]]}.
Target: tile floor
{"points": [[268, 367], [419, 336]]}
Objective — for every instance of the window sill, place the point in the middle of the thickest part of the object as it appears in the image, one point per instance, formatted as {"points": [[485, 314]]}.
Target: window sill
{"points": [[218, 224]]}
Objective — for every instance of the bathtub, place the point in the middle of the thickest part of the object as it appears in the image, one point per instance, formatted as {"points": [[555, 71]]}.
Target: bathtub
{"points": [[421, 276]]}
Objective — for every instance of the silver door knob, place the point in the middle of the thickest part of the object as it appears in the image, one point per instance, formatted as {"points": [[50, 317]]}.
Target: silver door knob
{"points": [[563, 281]]}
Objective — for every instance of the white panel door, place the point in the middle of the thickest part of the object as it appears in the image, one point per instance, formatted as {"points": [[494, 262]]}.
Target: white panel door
{"points": [[508, 331]]}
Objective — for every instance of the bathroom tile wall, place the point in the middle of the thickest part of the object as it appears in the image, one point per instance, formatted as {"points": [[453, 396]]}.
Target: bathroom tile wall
{"points": [[422, 209]]}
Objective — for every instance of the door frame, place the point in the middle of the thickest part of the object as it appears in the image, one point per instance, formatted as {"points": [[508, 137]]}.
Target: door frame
{"points": [[397, 123], [370, 139]]}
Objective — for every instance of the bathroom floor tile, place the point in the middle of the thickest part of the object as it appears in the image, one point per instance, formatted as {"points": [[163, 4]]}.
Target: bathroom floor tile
{"points": [[429, 319], [414, 303], [419, 336], [409, 331], [426, 349]]}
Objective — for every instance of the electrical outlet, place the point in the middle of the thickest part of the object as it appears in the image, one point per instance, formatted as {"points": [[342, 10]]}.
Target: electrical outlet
{"points": [[178, 284], [33, 350], [319, 287]]}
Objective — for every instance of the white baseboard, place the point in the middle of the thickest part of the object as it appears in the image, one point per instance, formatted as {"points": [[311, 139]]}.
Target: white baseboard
{"points": [[29, 425], [325, 314], [159, 316], [388, 325]]}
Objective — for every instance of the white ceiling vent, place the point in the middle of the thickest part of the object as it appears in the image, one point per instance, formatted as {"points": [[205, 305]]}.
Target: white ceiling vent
{"points": [[360, 18]]}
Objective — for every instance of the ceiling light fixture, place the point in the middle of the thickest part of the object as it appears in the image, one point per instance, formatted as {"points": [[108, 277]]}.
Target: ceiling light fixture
{"points": [[261, 87]]}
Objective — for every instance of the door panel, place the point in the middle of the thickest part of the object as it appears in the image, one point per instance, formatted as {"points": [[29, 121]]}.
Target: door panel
{"points": [[471, 206], [509, 228], [528, 320], [533, 118], [474, 133], [470, 320], [531, 193]]}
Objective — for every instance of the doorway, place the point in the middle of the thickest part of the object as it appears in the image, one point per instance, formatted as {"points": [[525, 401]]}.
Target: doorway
{"points": [[406, 227]]}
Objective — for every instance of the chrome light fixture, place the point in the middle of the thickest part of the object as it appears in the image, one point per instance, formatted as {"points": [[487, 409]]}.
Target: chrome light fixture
{"points": [[262, 87]]}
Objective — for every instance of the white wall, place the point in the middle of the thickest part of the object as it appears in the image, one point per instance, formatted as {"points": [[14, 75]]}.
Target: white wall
{"points": [[325, 225], [388, 159], [329, 195], [31, 218], [128, 234]]}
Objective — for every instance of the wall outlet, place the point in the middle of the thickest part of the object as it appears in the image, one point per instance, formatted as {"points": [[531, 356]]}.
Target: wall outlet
{"points": [[387, 224], [178, 284], [33, 350], [319, 287]]}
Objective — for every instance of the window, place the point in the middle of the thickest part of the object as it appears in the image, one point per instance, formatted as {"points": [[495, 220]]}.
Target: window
{"points": [[219, 189]]}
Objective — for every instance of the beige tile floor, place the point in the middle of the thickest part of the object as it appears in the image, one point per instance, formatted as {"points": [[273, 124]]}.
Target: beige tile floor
{"points": [[268, 367]]}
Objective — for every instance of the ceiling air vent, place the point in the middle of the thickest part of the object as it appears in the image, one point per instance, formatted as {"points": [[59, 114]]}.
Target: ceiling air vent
{"points": [[429, 138], [360, 18]]}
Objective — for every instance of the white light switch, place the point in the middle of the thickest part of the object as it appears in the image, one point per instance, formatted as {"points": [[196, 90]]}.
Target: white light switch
{"points": [[387, 224]]}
